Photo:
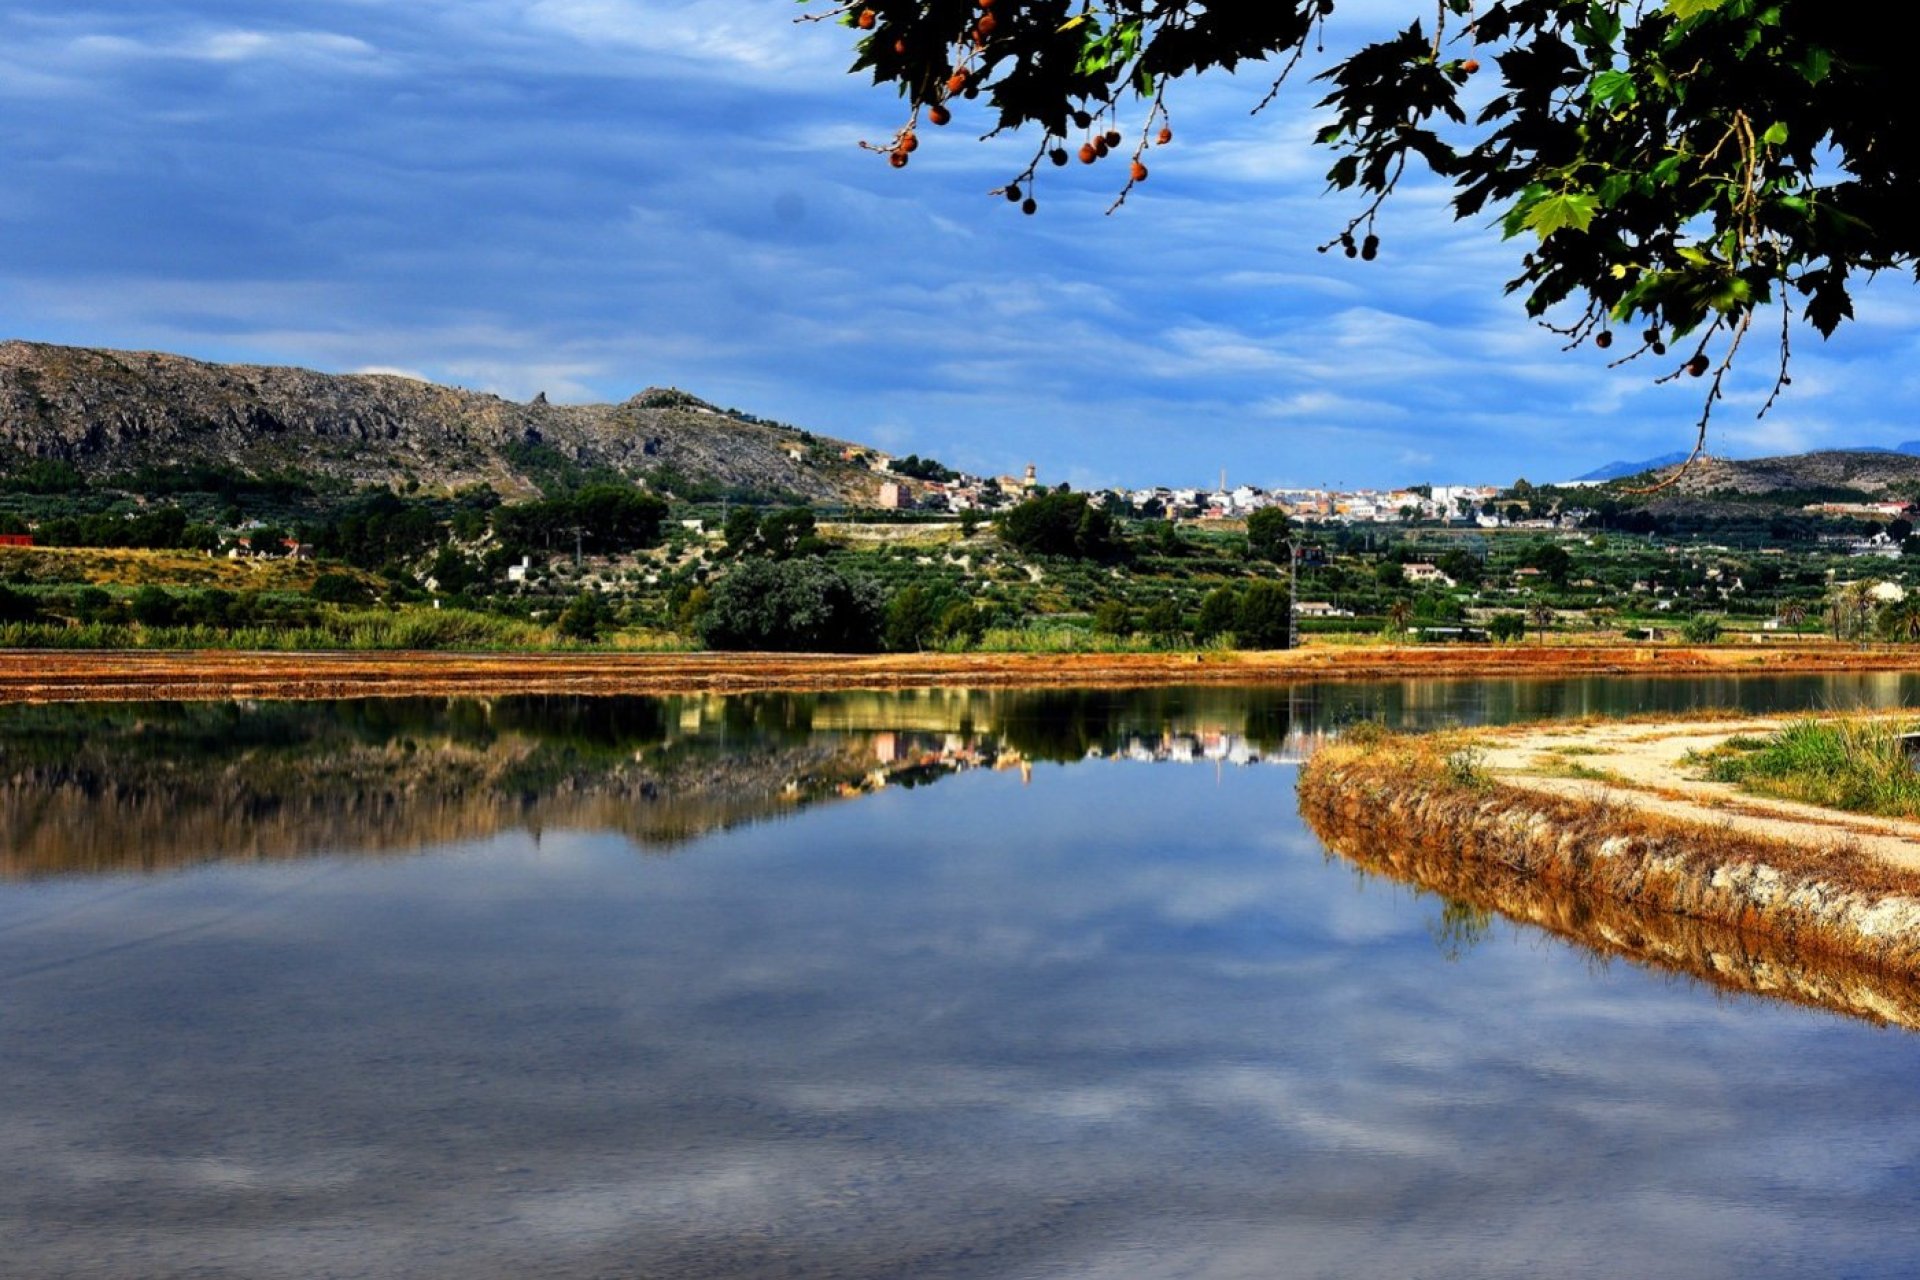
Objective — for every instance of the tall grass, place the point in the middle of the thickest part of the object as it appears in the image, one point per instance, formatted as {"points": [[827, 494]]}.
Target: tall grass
{"points": [[1859, 766], [357, 629]]}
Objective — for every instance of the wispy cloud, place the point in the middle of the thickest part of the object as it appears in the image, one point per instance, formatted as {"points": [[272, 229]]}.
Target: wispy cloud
{"points": [[587, 196]]}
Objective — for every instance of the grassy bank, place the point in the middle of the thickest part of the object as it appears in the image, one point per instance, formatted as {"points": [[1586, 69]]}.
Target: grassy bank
{"points": [[1430, 796], [1856, 765]]}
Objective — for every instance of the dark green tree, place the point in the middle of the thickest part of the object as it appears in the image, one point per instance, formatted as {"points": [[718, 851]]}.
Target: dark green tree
{"points": [[1062, 524], [1269, 535], [800, 605], [1264, 619], [1217, 613]]}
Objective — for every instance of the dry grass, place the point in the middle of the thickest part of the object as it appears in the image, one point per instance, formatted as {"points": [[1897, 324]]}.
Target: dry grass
{"points": [[1404, 794], [112, 566]]}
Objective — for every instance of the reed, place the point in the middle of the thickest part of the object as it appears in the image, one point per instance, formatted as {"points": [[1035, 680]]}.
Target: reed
{"points": [[1856, 765]]}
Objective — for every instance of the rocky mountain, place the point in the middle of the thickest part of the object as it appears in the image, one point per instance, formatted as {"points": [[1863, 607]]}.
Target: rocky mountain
{"points": [[1869, 473], [115, 411], [1620, 470]]}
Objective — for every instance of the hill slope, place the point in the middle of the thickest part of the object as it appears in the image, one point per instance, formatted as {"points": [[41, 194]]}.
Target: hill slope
{"points": [[1873, 473], [112, 411]]}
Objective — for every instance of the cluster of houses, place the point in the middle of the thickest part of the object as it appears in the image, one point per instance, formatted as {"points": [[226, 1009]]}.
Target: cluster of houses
{"points": [[1465, 504]]}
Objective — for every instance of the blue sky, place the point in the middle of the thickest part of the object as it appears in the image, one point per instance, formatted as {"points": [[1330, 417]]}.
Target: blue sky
{"points": [[587, 197]]}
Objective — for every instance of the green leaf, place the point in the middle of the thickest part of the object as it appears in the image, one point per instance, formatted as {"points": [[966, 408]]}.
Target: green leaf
{"points": [[1684, 9], [1611, 87], [1776, 134], [1567, 209]]}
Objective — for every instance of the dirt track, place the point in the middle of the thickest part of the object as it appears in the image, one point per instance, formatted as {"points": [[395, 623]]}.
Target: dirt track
{"points": [[62, 676], [1641, 764]]}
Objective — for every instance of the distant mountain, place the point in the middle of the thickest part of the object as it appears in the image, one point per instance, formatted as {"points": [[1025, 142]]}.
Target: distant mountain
{"points": [[1839, 473], [107, 412], [1621, 470]]}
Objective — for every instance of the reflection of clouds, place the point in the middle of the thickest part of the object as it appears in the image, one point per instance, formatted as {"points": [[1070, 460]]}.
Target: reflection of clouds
{"points": [[1124, 1022]]}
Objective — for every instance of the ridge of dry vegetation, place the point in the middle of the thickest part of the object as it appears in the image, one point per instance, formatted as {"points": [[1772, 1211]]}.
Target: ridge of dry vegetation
{"points": [[115, 675], [1431, 798]]}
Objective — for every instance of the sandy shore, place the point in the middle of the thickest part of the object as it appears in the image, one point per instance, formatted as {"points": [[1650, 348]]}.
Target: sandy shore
{"points": [[55, 675]]}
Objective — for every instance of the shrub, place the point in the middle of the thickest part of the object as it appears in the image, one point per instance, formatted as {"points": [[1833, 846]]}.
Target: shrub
{"points": [[583, 617], [154, 607], [1217, 613], [1701, 628], [792, 606], [1507, 626], [1113, 618], [339, 588], [1265, 617]]}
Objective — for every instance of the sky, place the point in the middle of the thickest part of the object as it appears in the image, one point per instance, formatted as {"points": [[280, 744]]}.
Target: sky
{"points": [[591, 197]]}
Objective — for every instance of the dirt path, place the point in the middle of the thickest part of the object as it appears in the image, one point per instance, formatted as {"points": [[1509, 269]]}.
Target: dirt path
{"points": [[1641, 764], [53, 675]]}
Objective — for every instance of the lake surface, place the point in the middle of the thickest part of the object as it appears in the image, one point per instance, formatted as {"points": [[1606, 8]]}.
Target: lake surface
{"points": [[993, 984]]}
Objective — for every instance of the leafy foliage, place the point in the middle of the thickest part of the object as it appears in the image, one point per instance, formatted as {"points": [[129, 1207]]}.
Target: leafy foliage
{"points": [[1677, 165], [1264, 617], [1062, 524], [1269, 535], [598, 518], [799, 605]]}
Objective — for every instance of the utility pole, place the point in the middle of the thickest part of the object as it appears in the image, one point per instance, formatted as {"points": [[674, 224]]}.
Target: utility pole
{"points": [[1293, 594]]}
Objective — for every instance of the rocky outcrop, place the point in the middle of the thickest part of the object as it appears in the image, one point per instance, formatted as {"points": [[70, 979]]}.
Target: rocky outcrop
{"points": [[113, 411]]}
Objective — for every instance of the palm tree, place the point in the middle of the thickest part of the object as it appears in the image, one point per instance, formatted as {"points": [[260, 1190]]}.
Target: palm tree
{"points": [[1541, 614], [1792, 614], [1399, 614], [1849, 608], [1901, 620]]}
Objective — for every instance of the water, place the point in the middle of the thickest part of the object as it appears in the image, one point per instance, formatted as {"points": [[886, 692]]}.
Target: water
{"points": [[862, 985]]}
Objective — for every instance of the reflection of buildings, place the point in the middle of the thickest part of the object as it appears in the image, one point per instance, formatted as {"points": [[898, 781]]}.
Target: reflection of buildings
{"points": [[1215, 746], [124, 787]]}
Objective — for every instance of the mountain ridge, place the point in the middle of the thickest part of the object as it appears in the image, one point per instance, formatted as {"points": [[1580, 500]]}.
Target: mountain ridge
{"points": [[105, 411]]}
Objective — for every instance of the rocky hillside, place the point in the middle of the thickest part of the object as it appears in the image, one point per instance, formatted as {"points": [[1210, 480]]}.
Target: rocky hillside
{"points": [[1868, 472], [113, 411]]}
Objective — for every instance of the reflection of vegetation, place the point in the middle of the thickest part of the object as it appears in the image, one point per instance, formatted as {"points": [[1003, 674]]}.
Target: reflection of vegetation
{"points": [[130, 786], [1460, 927], [1658, 895]]}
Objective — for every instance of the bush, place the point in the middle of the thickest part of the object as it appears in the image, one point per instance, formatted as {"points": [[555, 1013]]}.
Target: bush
{"points": [[584, 617], [1113, 618], [796, 605], [16, 606], [1217, 613], [1162, 619], [1265, 617], [961, 623], [1701, 628], [154, 607], [1507, 626], [339, 588], [1062, 524]]}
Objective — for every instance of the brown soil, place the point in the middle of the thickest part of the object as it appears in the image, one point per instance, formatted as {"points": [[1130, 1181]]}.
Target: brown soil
{"points": [[1638, 829], [59, 675]]}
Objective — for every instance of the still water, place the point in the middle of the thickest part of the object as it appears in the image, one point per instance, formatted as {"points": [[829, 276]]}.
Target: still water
{"points": [[943, 984]]}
